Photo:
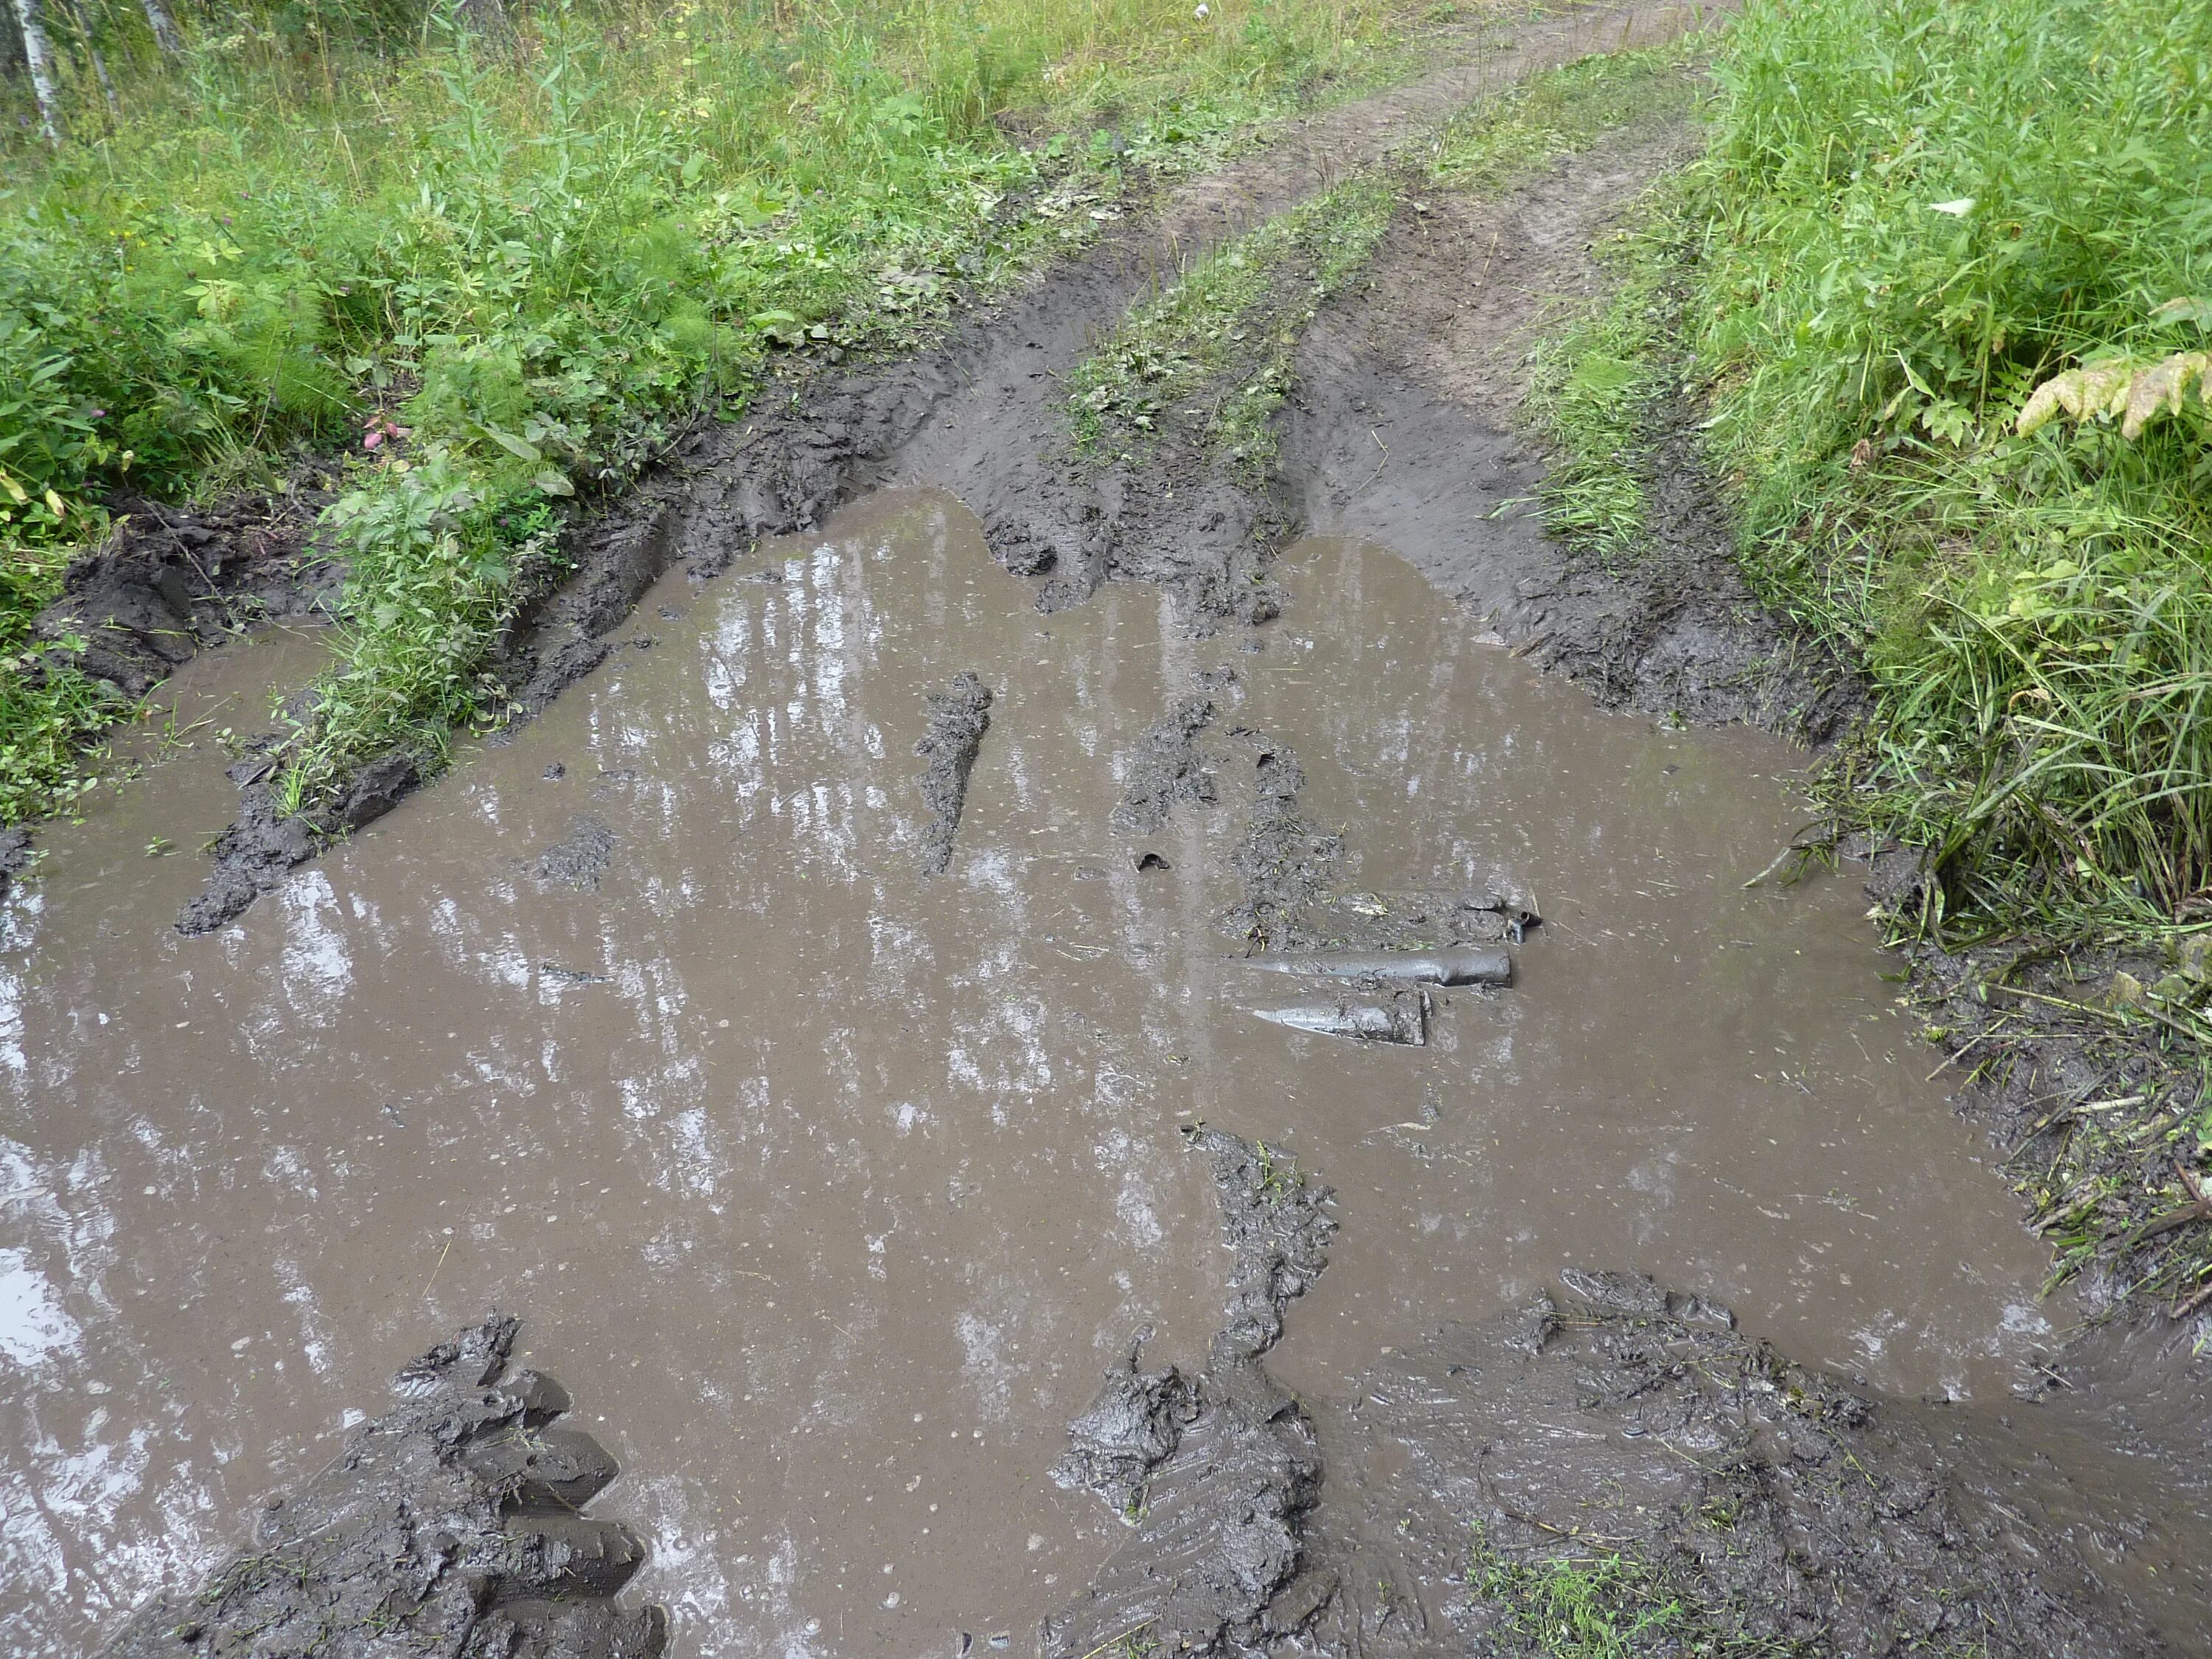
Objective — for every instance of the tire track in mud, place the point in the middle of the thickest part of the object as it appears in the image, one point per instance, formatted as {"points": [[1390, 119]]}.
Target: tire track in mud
{"points": [[979, 414]]}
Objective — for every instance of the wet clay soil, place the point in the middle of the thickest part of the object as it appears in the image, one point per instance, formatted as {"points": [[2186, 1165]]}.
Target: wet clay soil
{"points": [[829, 1189]]}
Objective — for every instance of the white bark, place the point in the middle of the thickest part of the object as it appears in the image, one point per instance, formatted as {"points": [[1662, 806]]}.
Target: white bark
{"points": [[38, 53], [486, 19], [99, 62], [164, 25]]}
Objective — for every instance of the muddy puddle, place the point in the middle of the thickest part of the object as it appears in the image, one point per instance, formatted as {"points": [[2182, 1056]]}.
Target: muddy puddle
{"points": [[829, 1188]]}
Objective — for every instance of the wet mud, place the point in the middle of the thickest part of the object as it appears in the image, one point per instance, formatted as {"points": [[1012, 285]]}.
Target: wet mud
{"points": [[833, 1278], [453, 1525], [1775, 1506], [1766, 1506], [959, 715], [1167, 771], [170, 581], [1217, 1471]]}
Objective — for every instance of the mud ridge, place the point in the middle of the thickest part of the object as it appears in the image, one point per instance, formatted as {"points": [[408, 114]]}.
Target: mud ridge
{"points": [[1215, 1474], [959, 715], [451, 1526]]}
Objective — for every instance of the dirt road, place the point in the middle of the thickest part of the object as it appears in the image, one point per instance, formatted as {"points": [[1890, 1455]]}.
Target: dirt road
{"points": [[830, 1024]]}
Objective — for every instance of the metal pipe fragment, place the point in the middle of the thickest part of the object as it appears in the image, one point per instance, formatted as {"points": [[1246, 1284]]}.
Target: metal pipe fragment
{"points": [[1459, 965]]}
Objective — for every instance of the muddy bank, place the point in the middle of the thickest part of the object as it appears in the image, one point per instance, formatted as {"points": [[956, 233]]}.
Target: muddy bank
{"points": [[169, 581], [451, 1526], [1713, 1496], [1765, 1502], [1408, 430]]}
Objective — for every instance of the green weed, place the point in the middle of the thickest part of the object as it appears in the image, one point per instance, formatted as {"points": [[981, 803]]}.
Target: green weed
{"points": [[1602, 1606], [1916, 215]]}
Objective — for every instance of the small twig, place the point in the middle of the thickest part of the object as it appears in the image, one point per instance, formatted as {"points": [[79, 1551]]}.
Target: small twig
{"points": [[1377, 435], [1123, 1637], [2198, 1209], [2183, 1310], [432, 1279]]}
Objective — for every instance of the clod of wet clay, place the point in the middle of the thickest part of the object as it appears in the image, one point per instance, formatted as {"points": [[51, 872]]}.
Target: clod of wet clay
{"points": [[1148, 862], [958, 717], [1456, 967], [449, 1528], [1166, 769], [1402, 1020], [1128, 1430], [1215, 1474], [579, 858]]}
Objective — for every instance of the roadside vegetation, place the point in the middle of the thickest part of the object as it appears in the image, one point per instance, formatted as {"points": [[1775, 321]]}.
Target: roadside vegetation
{"points": [[1602, 1604], [1938, 299], [462, 265], [1944, 284]]}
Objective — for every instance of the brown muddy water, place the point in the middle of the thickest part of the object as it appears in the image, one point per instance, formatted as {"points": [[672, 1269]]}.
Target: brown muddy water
{"points": [[828, 1189]]}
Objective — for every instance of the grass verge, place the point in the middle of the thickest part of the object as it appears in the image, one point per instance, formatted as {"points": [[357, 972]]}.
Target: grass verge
{"points": [[497, 274], [1916, 215]]}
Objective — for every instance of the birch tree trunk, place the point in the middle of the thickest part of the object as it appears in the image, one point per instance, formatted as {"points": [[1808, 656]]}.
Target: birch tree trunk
{"points": [[164, 25], [99, 64], [38, 53], [487, 20]]}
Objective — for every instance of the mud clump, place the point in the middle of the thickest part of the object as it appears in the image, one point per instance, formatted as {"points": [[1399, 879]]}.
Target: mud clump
{"points": [[169, 580], [1283, 861], [958, 717], [449, 1528], [1167, 770], [579, 858], [1217, 1473]]}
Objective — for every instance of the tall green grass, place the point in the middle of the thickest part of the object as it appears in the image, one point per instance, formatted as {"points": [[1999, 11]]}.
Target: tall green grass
{"points": [[1916, 212], [494, 274]]}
